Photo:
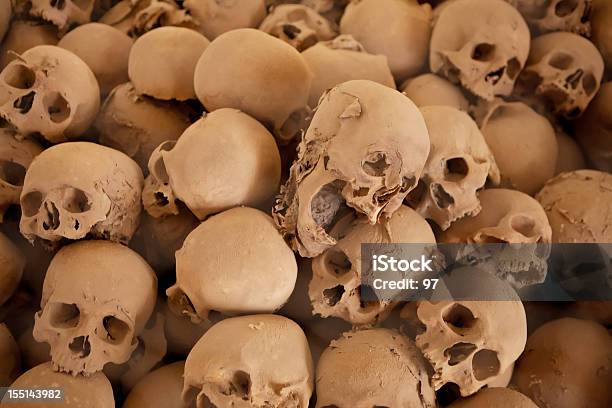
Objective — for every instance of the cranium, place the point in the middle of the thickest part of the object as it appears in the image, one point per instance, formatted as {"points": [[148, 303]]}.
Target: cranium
{"points": [[365, 148], [495, 397], [146, 393], [470, 342], [13, 264], [223, 160], [23, 35], [394, 373], [570, 155], [335, 288], [250, 361], [51, 91], [602, 36], [214, 17], [483, 44], [97, 298], [594, 130], [15, 158], [258, 275], [564, 70], [556, 15], [458, 165], [76, 189], [10, 355], [512, 217], [430, 89], [65, 14], [298, 25]]}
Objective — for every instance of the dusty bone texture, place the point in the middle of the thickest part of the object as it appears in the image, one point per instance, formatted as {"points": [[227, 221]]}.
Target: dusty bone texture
{"points": [[459, 164], [136, 124], [495, 397], [10, 357], [6, 14], [63, 15], [335, 288], [160, 388], [579, 206], [524, 144], [78, 189], [93, 316], [431, 89], [481, 44], [551, 373], [374, 367], [235, 262], [23, 35], [594, 129], [13, 263], [298, 25], [213, 17], [174, 52], [470, 342], [343, 59], [108, 59], [564, 72], [258, 361], [49, 91], [223, 160], [571, 156], [15, 158], [405, 39], [260, 75], [602, 35], [556, 15], [365, 148], [94, 391]]}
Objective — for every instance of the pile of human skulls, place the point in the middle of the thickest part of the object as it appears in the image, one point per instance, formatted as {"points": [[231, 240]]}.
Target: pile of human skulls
{"points": [[185, 187]]}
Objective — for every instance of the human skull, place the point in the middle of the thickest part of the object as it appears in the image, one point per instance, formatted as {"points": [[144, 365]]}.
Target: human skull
{"points": [[570, 155], [161, 387], [556, 15], [394, 373], [13, 263], [250, 361], [458, 165], [594, 130], [298, 25], [77, 189], [430, 89], [225, 159], [482, 44], [97, 298], [10, 357], [508, 216], [94, 391], [259, 269], [601, 34], [51, 91], [215, 17], [23, 35], [64, 14], [335, 288], [495, 397], [365, 148], [15, 158], [471, 342], [564, 71]]}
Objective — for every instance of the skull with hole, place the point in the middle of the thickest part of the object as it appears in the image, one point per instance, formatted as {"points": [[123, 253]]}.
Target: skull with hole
{"points": [[97, 298], [335, 288], [15, 158], [259, 361], [482, 44], [471, 342], [365, 148], [458, 165], [298, 25], [508, 216], [65, 14], [564, 71], [556, 15], [51, 91], [77, 189], [214, 17]]}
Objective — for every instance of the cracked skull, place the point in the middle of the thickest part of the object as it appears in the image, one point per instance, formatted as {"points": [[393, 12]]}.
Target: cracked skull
{"points": [[335, 289], [564, 70], [76, 189], [260, 361], [458, 165], [556, 15], [97, 298], [365, 148], [482, 44], [51, 91]]}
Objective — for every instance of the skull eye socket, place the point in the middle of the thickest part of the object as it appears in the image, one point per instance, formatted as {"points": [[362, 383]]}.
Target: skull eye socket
{"points": [[64, 315], [31, 203], [337, 262], [240, 384], [483, 52], [19, 76], [75, 201], [12, 173], [589, 83], [456, 169], [561, 60], [57, 107], [485, 364], [116, 329], [459, 318], [565, 7], [513, 68]]}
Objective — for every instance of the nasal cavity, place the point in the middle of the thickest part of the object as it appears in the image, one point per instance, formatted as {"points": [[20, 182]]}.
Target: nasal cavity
{"points": [[80, 345], [52, 221]]}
